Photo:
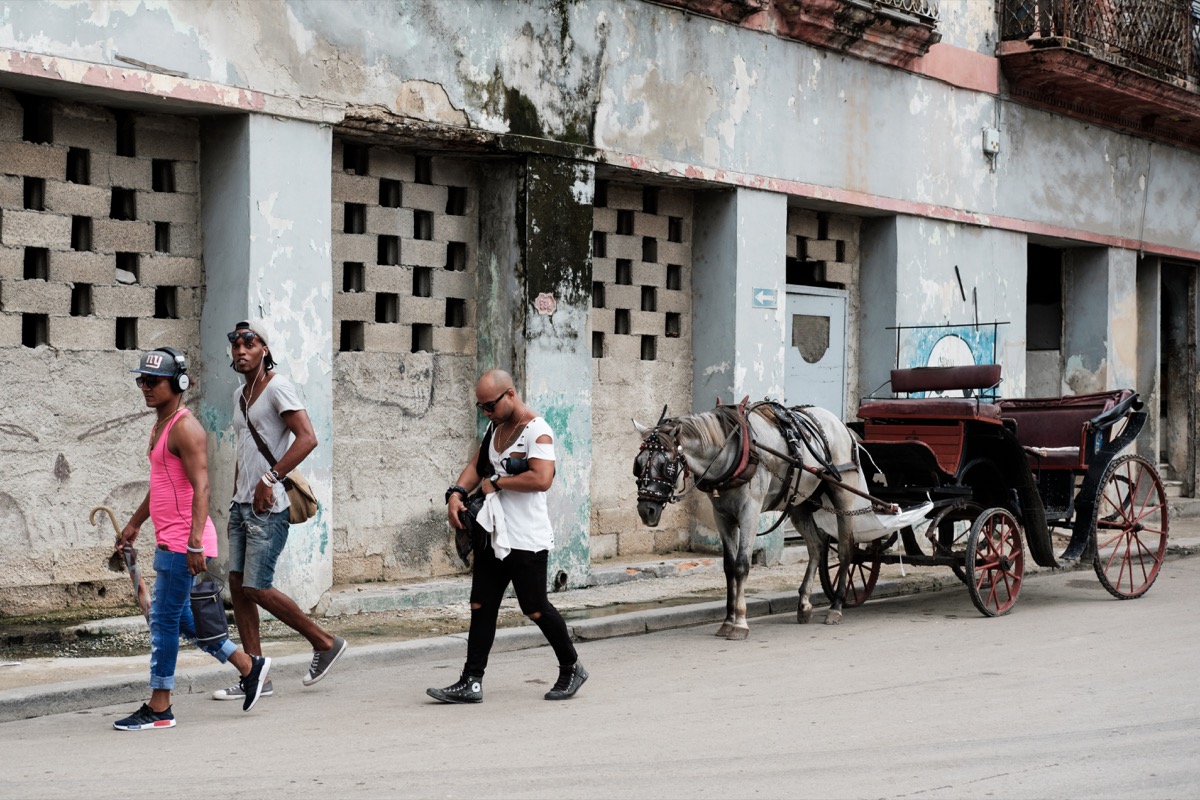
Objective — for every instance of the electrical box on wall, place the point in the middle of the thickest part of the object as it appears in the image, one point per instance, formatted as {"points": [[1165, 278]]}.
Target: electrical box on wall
{"points": [[991, 141]]}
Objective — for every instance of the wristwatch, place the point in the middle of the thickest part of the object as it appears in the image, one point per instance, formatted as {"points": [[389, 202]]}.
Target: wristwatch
{"points": [[495, 479]]}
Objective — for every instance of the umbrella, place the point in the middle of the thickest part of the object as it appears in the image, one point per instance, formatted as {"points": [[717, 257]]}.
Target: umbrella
{"points": [[126, 558]]}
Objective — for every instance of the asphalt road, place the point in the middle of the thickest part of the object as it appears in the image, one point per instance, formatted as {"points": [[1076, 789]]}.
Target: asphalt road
{"points": [[1072, 695]]}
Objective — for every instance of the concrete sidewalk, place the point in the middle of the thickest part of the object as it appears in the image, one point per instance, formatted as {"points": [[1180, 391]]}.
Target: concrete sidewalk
{"points": [[665, 598]]}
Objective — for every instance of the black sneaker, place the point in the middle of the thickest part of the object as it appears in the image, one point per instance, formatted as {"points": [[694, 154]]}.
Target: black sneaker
{"points": [[469, 689], [568, 683], [322, 660], [146, 719], [252, 683]]}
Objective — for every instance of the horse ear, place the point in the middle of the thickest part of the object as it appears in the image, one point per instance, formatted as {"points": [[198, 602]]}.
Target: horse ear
{"points": [[640, 428]]}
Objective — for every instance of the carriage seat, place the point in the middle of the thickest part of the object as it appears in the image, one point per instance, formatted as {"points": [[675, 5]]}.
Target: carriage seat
{"points": [[973, 377], [1051, 429]]}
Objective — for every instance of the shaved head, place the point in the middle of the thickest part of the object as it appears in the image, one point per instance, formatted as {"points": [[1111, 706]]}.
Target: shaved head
{"points": [[494, 381]]}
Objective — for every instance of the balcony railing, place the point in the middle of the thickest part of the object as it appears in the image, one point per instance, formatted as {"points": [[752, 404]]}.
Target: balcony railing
{"points": [[926, 9], [1156, 35]]}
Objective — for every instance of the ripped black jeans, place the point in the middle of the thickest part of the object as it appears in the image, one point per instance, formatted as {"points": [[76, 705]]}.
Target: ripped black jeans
{"points": [[526, 571]]}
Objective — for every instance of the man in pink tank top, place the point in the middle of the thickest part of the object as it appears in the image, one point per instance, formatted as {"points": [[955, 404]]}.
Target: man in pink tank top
{"points": [[177, 503]]}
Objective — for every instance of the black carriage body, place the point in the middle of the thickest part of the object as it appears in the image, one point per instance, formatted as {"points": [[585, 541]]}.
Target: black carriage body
{"points": [[1041, 459], [950, 452]]}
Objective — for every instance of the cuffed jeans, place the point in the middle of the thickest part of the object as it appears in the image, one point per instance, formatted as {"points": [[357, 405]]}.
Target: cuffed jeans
{"points": [[171, 616]]}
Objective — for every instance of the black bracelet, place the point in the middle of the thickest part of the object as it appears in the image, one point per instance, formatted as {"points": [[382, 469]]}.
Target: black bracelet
{"points": [[458, 490]]}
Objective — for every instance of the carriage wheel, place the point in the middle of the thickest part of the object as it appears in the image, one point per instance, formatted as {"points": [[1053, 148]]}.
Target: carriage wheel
{"points": [[864, 571], [946, 535], [1129, 527], [995, 564]]}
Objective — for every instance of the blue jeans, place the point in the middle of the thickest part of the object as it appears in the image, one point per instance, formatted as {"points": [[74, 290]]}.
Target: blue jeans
{"points": [[171, 616], [255, 542]]}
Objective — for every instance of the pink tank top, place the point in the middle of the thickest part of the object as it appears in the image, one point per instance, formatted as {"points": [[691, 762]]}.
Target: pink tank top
{"points": [[171, 498]]}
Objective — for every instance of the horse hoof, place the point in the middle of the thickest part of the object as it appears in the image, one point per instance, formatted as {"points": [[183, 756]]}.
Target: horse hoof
{"points": [[833, 618], [738, 634], [804, 616], [725, 630]]}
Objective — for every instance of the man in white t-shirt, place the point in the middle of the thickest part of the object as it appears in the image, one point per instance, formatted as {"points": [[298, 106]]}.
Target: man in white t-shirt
{"points": [[517, 550], [266, 404]]}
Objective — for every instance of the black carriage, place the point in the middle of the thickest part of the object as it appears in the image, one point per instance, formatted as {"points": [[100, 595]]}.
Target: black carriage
{"points": [[995, 474]]}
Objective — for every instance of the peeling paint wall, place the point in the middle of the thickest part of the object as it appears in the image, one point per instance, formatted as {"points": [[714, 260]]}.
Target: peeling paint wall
{"points": [[1100, 328], [78, 251], [623, 86], [641, 323], [267, 217], [909, 279], [636, 78], [558, 382]]}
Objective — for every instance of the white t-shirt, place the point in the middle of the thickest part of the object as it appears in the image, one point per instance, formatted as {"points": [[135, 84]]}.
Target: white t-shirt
{"points": [[525, 513], [278, 396]]}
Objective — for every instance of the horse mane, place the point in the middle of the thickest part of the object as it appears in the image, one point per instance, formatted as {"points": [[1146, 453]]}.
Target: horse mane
{"points": [[708, 428]]}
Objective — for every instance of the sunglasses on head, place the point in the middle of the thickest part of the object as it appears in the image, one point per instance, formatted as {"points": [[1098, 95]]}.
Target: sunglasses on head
{"points": [[148, 381], [490, 405], [247, 337]]}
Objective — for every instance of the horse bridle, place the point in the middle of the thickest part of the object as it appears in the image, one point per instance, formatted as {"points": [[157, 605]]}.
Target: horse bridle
{"points": [[671, 466]]}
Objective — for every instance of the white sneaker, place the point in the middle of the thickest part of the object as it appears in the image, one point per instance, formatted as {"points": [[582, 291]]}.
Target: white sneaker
{"points": [[235, 692]]}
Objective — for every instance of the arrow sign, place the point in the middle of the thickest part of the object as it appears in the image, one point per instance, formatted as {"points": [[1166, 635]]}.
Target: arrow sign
{"points": [[765, 298]]}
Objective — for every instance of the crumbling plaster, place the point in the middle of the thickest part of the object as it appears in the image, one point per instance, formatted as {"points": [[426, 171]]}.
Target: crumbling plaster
{"points": [[633, 78]]}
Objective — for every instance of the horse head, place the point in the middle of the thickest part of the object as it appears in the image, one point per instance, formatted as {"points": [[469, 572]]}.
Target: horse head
{"points": [[658, 468]]}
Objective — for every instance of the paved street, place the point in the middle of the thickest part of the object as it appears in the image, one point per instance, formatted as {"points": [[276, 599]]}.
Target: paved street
{"points": [[1072, 695]]}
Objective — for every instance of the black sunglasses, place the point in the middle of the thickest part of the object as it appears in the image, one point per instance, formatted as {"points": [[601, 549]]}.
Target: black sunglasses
{"points": [[247, 337], [490, 405], [147, 381]]}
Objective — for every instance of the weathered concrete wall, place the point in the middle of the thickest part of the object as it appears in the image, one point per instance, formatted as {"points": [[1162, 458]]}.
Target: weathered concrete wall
{"points": [[636, 85], [635, 78], [641, 323], [73, 427], [405, 259], [909, 279], [1100, 323], [268, 220], [740, 349], [557, 234]]}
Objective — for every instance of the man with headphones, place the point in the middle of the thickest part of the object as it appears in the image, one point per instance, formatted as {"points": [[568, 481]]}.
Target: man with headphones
{"points": [[177, 503], [268, 418]]}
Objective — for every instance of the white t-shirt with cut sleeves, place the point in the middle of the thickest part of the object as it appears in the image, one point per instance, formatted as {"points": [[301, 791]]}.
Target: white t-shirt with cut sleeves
{"points": [[525, 513]]}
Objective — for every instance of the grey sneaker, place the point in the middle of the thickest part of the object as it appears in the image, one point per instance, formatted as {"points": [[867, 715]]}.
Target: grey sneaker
{"points": [[469, 689], [568, 683], [322, 660], [235, 692]]}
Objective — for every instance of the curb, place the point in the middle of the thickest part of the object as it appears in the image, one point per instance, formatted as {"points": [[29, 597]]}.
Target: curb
{"points": [[58, 698]]}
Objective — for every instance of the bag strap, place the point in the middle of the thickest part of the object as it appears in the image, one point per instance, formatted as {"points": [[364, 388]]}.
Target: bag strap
{"points": [[262, 447], [483, 464]]}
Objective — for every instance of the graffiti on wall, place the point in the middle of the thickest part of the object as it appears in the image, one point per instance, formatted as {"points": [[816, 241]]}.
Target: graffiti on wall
{"points": [[946, 346]]}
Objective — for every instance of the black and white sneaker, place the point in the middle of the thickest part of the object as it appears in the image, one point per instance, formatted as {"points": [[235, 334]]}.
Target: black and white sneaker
{"points": [[469, 689], [252, 683], [146, 719], [568, 683], [235, 692]]}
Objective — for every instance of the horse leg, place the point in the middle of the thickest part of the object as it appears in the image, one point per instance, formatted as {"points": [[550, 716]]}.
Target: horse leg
{"points": [[728, 531], [845, 555], [747, 531], [803, 522]]}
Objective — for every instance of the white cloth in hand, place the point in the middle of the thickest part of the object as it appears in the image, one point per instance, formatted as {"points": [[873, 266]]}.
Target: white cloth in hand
{"points": [[491, 519]]}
